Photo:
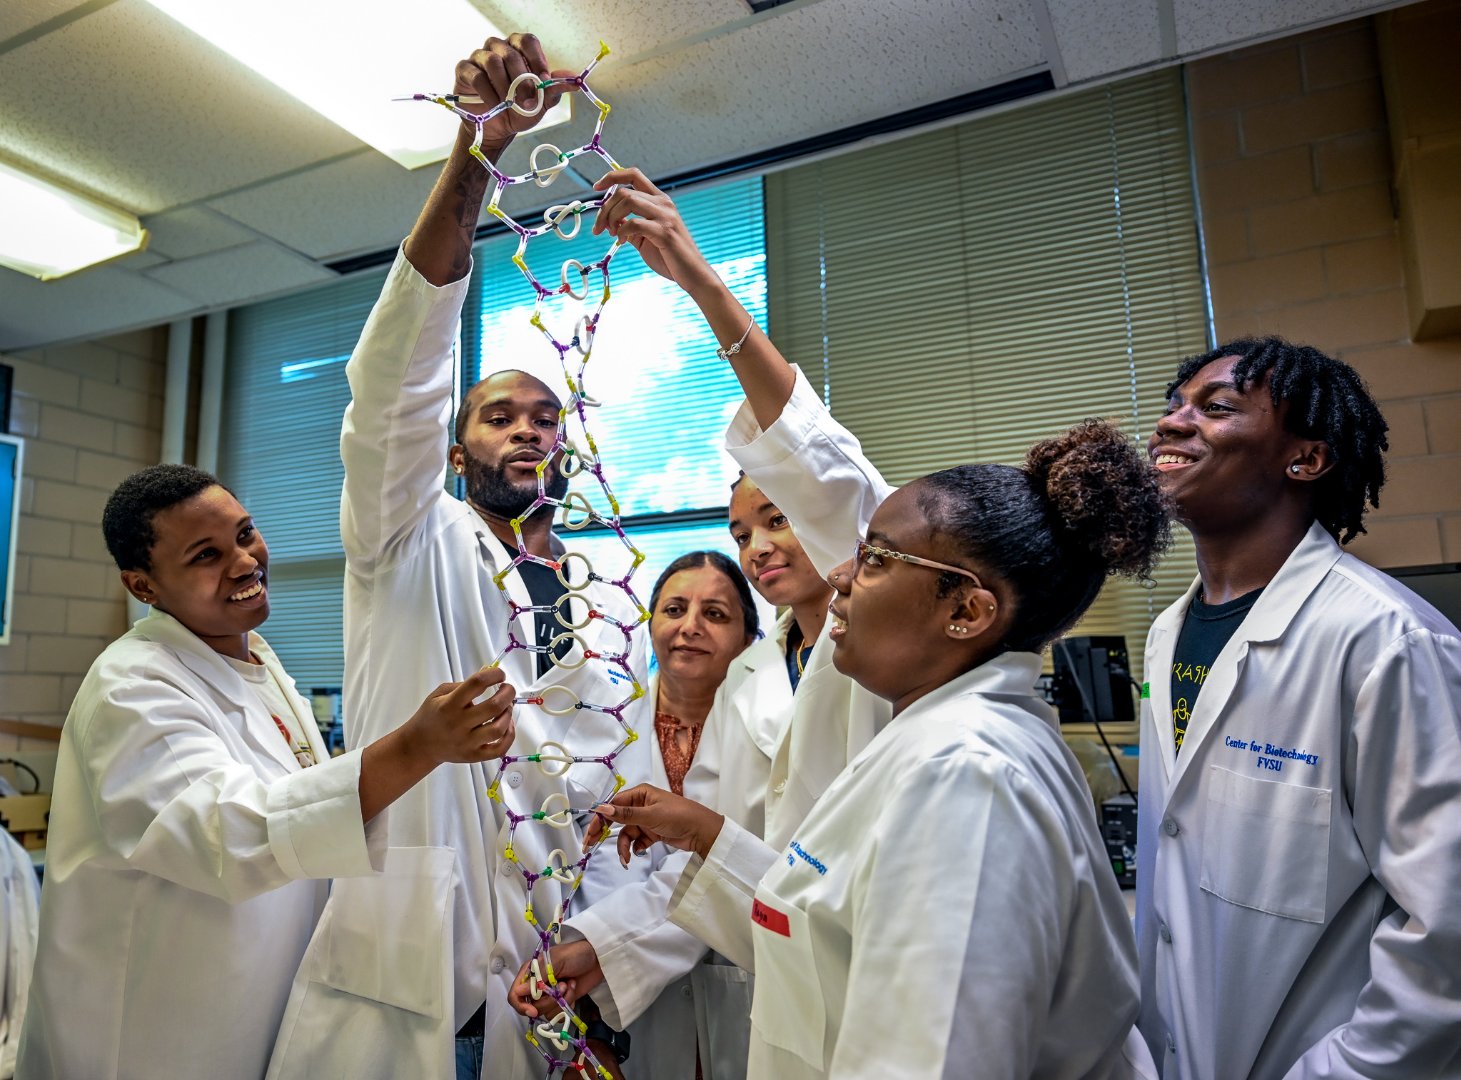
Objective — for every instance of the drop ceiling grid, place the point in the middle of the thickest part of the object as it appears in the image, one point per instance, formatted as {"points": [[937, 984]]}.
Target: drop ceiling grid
{"points": [[819, 68], [148, 115]]}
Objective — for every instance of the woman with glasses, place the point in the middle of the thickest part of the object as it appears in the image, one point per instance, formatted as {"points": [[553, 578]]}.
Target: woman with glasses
{"points": [[946, 907]]}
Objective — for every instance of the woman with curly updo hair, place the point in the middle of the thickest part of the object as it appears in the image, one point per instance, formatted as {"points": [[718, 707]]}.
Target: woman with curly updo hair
{"points": [[947, 907], [944, 907]]}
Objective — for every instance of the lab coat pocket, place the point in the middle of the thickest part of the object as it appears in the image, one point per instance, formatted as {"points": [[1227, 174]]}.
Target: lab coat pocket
{"points": [[1265, 844], [788, 1012], [383, 935]]}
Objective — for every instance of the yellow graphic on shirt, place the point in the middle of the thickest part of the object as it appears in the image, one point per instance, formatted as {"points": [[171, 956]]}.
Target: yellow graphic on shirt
{"points": [[1180, 715], [1181, 709]]}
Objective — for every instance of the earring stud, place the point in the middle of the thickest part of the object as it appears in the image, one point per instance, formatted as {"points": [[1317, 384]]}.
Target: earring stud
{"points": [[958, 629], [1293, 468]]}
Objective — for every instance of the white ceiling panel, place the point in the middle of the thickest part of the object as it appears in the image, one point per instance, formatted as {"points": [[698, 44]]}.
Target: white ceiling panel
{"points": [[193, 230], [819, 68], [22, 16], [1087, 47], [92, 303], [1204, 24], [148, 115], [571, 30], [361, 202], [248, 272]]}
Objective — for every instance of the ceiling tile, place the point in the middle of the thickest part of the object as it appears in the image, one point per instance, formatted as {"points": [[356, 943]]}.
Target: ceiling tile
{"points": [[85, 305], [248, 272], [362, 202], [628, 27], [195, 230], [146, 132], [1098, 37], [1203, 24], [744, 92], [22, 16]]}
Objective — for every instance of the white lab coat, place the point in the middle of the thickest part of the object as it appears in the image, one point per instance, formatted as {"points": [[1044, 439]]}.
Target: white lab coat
{"points": [[814, 470], [19, 932], [768, 768], [944, 911], [658, 978], [1297, 917], [183, 866], [400, 962]]}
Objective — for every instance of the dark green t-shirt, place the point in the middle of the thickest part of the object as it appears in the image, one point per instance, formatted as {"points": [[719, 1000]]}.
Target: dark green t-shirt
{"points": [[1205, 630]]}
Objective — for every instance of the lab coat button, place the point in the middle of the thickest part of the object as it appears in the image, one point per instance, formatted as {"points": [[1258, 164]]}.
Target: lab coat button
{"points": [[497, 965], [505, 868], [514, 779], [780, 787], [685, 991], [1170, 826], [1164, 932]]}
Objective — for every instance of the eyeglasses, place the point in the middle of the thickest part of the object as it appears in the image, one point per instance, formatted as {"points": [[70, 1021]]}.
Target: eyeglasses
{"points": [[863, 549]]}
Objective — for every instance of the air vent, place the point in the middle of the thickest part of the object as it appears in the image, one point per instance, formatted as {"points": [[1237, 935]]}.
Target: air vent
{"points": [[758, 6]]}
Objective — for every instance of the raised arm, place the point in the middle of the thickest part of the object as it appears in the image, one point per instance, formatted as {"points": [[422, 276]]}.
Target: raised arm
{"points": [[394, 437], [658, 233], [810, 466]]}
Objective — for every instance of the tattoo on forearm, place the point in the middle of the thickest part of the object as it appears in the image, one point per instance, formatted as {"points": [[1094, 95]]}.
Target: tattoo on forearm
{"points": [[468, 193]]}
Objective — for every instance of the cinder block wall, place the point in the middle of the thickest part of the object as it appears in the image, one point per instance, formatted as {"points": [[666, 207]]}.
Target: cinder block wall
{"points": [[90, 414], [1294, 171]]}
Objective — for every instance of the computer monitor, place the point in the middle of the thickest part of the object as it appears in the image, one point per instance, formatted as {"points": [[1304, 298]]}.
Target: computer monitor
{"points": [[10, 463], [1439, 584], [1092, 680]]}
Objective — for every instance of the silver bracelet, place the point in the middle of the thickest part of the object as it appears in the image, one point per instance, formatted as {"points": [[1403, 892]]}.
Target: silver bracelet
{"points": [[726, 354]]}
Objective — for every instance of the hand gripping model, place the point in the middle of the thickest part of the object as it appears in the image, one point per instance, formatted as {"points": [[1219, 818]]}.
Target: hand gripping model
{"points": [[561, 1040]]}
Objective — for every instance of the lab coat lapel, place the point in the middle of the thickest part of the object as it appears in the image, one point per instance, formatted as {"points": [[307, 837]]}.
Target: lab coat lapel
{"points": [[766, 660], [658, 775], [303, 715], [231, 694], [519, 665], [1300, 574]]}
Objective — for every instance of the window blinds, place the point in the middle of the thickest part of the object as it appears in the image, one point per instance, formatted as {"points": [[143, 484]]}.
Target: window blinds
{"points": [[285, 396], [962, 293]]}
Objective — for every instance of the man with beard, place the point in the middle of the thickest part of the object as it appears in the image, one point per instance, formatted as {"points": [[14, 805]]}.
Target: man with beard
{"points": [[408, 972]]}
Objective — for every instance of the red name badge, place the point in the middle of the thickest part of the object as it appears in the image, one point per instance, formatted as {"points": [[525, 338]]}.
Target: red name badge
{"points": [[770, 918]]}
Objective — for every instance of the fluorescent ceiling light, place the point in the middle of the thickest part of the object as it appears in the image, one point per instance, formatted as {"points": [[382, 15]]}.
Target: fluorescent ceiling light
{"points": [[347, 59], [48, 232]]}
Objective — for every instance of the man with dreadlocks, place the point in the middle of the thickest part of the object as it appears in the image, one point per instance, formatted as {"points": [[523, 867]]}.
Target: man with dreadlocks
{"points": [[1299, 860]]}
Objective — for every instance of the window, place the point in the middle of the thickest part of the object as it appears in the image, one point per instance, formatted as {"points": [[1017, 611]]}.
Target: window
{"points": [[1021, 272], [667, 399], [285, 395]]}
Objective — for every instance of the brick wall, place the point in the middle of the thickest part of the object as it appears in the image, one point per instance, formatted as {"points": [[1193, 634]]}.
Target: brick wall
{"points": [[1293, 170], [90, 414]]}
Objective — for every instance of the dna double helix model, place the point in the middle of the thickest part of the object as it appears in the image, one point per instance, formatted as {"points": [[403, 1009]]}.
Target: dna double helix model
{"points": [[561, 1040]]}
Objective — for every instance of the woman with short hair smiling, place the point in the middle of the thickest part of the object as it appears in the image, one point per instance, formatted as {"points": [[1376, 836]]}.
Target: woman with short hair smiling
{"points": [[196, 813]]}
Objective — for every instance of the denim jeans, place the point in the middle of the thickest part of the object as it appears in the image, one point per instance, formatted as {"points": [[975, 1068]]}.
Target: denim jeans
{"points": [[469, 1057]]}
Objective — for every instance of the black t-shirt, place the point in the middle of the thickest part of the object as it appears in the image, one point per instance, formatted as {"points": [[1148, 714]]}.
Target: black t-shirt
{"points": [[544, 589], [1205, 630]]}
